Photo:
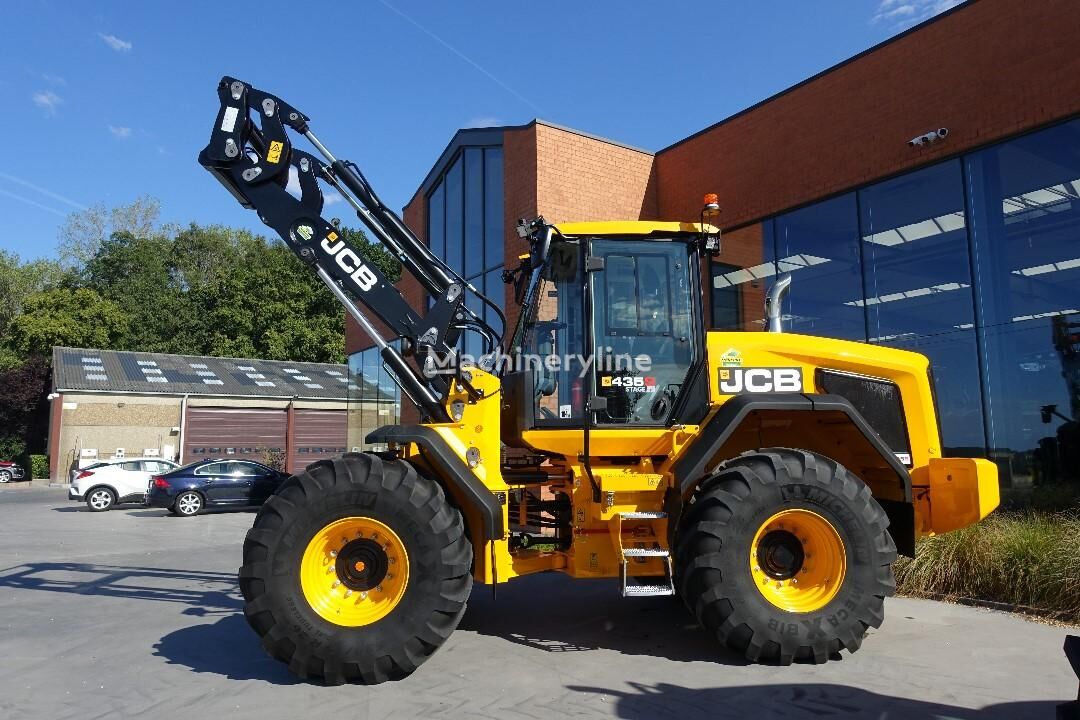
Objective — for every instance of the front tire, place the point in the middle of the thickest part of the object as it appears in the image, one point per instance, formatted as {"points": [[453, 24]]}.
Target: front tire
{"points": [[5, 476], [356, 570], [763, 523], [100, 499]]}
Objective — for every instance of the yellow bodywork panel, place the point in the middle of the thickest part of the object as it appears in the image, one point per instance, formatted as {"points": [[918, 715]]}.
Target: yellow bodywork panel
{"points": [[959, 492]]}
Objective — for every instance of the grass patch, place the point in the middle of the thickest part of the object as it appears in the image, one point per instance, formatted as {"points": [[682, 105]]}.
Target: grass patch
{"points": [[1025, 558]]}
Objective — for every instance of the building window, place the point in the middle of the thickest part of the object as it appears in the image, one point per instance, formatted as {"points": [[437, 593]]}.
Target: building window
{"points": [[465, 227], [725, 309], [917, 292], [819, 246], [1025, 197], [374, 398]]}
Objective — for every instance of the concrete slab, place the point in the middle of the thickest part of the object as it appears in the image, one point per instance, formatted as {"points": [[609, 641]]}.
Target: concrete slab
{"points": [[134, 612]]}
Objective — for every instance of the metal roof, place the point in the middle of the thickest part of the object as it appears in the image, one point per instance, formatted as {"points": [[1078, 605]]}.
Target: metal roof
{"points": [[78, 369]]}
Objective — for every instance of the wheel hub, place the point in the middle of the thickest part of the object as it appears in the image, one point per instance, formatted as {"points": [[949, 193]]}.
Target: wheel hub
{"points": [[781, 555], [361, 564], [798, 561], [354, 571]]}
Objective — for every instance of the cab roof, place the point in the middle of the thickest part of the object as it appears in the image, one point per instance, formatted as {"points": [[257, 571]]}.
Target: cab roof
{"points": [[632, 227]]}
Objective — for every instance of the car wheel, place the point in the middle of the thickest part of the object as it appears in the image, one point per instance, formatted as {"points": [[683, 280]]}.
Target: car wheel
{"points": [[100, 499], [188, 504], [5, 476]]}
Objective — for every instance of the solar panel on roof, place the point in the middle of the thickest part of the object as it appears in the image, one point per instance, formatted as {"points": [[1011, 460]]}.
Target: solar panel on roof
{"points": [[151, 371], [264, 383], [208, 381], [301, 377], [313, 386], [96, 377], [247, 368], [205, 373], [198, 366], [146, 363], [292, 371], [157, 379]]}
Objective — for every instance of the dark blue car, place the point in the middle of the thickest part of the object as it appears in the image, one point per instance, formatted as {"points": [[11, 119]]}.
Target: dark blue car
{"points": [[188, 490]]}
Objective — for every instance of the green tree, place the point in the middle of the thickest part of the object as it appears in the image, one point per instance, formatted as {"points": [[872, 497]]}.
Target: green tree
{"points": [[85, 231], [19, 279], [75, 317]]}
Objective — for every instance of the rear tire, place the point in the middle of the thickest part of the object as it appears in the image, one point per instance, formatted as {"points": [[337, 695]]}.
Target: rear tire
{"points": [[187, 504], [100, 499], [288, 597], [724, 540]]}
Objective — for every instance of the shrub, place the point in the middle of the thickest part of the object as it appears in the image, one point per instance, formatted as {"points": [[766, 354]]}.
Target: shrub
{"points": [[274, 458], [1027, 559], [39, 466], [12, 448]]}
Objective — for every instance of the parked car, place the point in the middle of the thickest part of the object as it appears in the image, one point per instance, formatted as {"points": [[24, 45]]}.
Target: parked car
{"points": [[189, 490], [10, 471], [107, 483]]}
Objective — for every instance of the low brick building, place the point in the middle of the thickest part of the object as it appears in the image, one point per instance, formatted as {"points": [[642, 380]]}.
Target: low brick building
{"points": [[960, 245], [107, 404]]}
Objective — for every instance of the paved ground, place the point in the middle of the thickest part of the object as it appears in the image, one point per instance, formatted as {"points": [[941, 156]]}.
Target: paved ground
{"points": [[136, 613]]}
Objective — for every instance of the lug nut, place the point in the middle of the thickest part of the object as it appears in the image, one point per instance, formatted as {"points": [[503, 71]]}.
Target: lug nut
{"points": [[336, 583], [348, 593], [333, 553]]}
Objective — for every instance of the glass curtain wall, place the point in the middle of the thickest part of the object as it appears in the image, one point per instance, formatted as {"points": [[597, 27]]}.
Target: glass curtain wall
{"points": [[465, 227], [1025, 202], [974, 262], [374, 399]]}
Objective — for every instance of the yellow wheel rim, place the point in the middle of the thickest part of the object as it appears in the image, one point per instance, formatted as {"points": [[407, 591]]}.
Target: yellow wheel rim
{"points": [[798, 561], [354, 571]]}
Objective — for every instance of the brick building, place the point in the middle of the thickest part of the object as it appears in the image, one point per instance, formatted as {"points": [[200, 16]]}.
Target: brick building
{"points": [[964, 248]]}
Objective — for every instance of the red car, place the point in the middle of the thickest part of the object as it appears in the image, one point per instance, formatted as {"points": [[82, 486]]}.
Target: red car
{"points": [[10, 471]]}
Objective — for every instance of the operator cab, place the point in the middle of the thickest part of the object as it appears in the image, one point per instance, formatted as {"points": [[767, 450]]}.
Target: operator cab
{"points": [[612, 312]]}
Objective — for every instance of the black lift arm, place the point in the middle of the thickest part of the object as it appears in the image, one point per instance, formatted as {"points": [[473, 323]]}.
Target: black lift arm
{"points": [[257, 163]]}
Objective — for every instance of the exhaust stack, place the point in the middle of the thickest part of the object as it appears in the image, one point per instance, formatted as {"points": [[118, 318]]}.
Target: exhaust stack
{"points": [[773, 302]]}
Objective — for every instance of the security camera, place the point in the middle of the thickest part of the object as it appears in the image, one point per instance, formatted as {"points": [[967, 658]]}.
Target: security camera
{"points": [[930, 137]]}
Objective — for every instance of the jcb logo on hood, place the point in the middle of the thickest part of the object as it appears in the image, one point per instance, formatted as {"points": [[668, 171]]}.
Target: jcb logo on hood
{"points": [[734, 380]]}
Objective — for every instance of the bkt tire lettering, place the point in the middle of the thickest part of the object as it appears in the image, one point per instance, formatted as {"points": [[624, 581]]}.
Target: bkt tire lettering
{"points": [[351, 263], [760, 380]]}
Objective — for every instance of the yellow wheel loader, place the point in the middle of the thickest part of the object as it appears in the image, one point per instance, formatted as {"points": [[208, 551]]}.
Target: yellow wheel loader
{"points": [[768, 479]]}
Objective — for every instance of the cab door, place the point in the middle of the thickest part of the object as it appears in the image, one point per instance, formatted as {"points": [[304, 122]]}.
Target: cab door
{"points": [[646, 327]]}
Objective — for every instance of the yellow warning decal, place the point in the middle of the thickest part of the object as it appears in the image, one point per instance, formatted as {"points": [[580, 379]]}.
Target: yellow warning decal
{"points": [[274, 153]]}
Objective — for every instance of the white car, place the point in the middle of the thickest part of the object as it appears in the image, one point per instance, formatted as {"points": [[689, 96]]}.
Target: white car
{"points": [[107, 483]]}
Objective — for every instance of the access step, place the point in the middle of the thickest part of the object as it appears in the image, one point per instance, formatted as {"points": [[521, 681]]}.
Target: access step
{"points": [[643, 588], [637, 552]]}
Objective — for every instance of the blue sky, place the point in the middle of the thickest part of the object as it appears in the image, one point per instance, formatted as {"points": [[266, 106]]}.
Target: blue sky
{"points": [[106, 101]]}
